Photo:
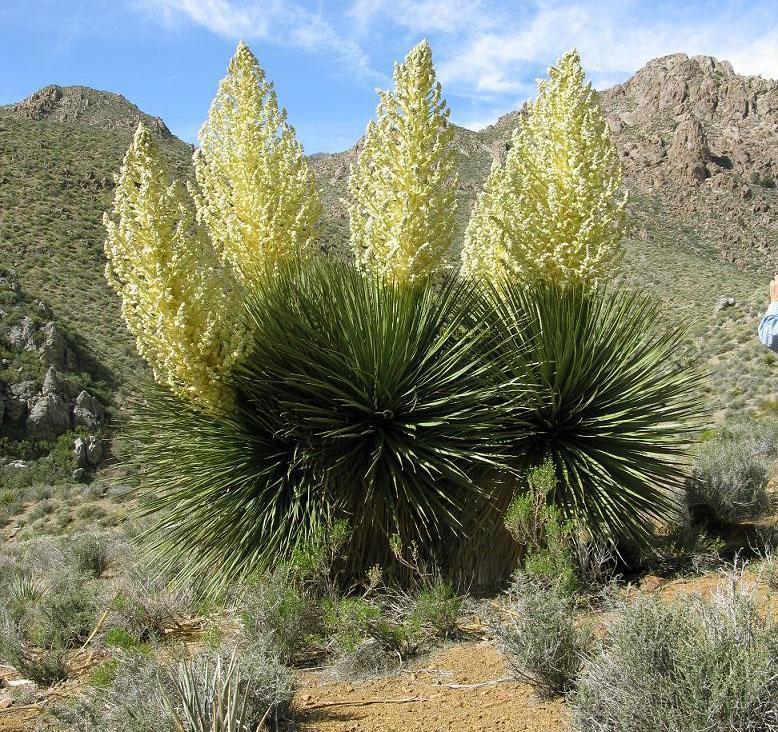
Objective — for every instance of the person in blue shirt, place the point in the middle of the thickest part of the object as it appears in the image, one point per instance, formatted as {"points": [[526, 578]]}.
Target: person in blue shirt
{"points": [[768, 327]]}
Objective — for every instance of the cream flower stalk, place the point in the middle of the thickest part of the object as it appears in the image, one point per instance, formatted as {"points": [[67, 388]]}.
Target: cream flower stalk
{"points": [[178, 302], [404, 182], [255, 192], [555, 209]]}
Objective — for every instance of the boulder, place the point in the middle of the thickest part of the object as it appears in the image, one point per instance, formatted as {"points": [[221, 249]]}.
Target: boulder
{"points": [[79, 452], [50, 382], [22, 336], [79, 474], [88, 412], [94, 451], [54, 350], [24, 390], [48, 417], [724, 302]]}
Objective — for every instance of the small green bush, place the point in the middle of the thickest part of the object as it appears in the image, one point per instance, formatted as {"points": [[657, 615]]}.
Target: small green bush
{"points": [[542, 643], [277, 609], [437, 607], [539, 527], [731, 471], [691, 665]]}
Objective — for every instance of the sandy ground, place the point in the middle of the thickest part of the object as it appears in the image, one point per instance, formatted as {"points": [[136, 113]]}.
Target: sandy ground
{"points": [[459, 688], [427, 697]]}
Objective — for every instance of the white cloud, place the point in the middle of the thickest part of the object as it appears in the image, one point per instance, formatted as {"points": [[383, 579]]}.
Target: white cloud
{"points": [[614, 38], [275, 21], [426, 16]]}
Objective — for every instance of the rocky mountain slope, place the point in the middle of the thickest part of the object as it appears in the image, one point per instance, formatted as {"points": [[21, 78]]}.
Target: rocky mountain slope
{"points": [[700, 151]]}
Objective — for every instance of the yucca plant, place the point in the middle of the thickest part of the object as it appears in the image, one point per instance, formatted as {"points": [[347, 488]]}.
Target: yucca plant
{"points": [[361, 399], [616, 401], [213, 700]]}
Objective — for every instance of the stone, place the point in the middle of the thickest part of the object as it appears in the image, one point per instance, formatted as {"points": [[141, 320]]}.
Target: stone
{"points": [[54, 349], [22, 336], [80, 452], [79, 474], [723, 303], [50, 382], [48, 417], [24, 390], [88, 412], [94, 451]]}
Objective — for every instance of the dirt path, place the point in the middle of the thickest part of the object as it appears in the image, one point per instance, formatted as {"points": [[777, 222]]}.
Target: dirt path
{"points": [[328, 706]]}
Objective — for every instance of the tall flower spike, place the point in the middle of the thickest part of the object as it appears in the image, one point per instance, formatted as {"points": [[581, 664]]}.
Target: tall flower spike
{"points": [[177, 302], [555, 208], [403, 184], [255, 193]]}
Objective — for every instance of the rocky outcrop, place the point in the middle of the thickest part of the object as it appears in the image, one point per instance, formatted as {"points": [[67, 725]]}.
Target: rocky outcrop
{"points": [[88, 412], [22, 336], [46, 413], [54, 350], [688, 152], [49, 417]]}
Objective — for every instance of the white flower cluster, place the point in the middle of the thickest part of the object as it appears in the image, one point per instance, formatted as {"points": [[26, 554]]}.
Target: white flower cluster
{"points": [[554, 209], [403, 185]]}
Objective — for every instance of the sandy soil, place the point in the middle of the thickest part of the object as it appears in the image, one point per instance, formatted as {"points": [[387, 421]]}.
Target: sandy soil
{"points": [[426, 697]]}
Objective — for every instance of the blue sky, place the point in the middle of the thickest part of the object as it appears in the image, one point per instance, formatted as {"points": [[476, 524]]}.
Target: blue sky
{"points": [[326, 58]]}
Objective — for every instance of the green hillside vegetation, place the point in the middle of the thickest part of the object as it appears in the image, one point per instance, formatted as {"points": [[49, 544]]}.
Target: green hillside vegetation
{"points": [[56, 179]]}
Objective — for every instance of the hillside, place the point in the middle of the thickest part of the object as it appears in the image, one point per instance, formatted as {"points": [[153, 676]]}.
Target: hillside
{"points": [[700, 150], [59, 149]]}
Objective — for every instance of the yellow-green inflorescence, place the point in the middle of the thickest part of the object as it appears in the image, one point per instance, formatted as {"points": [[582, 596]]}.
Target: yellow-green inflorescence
{"points": [[181, 262], [255, 192], [177, 300], [403, 184], [555, 209]]}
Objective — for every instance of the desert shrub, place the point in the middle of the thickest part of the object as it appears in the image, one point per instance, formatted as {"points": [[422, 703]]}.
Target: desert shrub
{"points": [[41, 624], [349, 621], [138, 693], [539, 528], [91, 554], [391, 623], [437, 608], [541, 642], [359, 397], [616, 401], [131, 701], [731, 471], [688, 665], [279, 610], [145, 604]]}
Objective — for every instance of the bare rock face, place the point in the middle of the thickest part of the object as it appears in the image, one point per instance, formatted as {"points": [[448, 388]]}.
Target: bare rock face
{"points": [[50, 382], [94, 451], [22, 336], [54, 350], [79, 452], [88, 412], [49, 417]]}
